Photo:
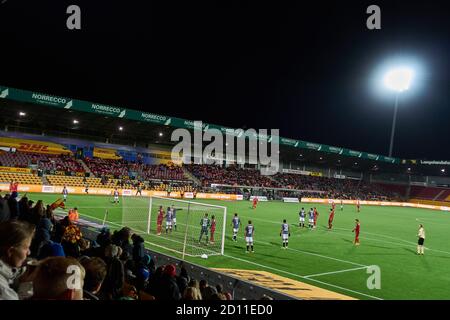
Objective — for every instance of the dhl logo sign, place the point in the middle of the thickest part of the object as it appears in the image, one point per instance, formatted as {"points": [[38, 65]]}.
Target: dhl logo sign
{"points": [[34, 146]]}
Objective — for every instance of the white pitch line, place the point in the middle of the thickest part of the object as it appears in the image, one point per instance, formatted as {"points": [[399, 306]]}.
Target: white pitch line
{"points": [[333, 272], [317, 255], [302, 277]]}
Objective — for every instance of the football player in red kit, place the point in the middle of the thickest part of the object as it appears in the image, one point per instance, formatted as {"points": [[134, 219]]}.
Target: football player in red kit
{"points": [[330, 219], [213, 229], [316, 215], [159, 220], [356, 231], [255, 202]]}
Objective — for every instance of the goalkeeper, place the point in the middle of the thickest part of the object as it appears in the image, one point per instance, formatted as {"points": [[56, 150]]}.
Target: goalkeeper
{"points": [[284, 234], [205, 223]]}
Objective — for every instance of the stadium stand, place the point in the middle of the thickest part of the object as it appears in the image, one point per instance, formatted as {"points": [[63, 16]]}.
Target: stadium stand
{"points": [[21, 178], [429, 193], [43, 161], [20, 159]]}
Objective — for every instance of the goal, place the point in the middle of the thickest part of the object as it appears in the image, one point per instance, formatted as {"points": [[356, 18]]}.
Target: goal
{"points": [[185, 237]]}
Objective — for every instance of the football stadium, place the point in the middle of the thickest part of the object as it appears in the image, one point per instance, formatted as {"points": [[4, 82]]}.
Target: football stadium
{"points": [[121, 182], [134, 163]]}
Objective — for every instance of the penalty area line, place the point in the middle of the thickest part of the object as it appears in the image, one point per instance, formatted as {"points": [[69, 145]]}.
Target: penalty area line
{"points": [[333, 272]]}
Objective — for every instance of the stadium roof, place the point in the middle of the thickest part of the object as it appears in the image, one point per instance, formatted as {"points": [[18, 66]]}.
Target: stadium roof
{"points": [[50, 115], [114, 115]]}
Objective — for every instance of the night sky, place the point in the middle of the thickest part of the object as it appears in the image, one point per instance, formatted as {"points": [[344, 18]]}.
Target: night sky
{"points": [[304, 67]]}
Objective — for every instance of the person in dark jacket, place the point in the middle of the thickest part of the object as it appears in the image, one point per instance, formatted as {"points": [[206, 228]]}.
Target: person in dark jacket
{"points": [[4, 210], [169, 289], [138, 248], [121, 238], [104, 237], [24, 210], [112, 288], [13, 206], [60, 227], [183, 279], [42, 236]]}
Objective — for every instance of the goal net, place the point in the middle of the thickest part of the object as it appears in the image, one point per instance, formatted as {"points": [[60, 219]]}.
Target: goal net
{"points": [[196, 229]]}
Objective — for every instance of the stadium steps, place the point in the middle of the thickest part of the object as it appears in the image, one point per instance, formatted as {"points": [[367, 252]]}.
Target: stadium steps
{"points": [[85, 167], [439, 194], [190, 176]]}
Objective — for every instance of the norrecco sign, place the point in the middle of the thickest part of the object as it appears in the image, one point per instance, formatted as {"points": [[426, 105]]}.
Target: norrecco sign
{"points": [[105, 109], [46, 98], [151, 116]]}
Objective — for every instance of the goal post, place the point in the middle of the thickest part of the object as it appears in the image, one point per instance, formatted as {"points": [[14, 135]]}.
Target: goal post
{"points": [[185, 234]]}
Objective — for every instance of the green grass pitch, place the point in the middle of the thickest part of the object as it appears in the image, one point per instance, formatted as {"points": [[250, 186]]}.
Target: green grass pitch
{"points": [[323, 258]]}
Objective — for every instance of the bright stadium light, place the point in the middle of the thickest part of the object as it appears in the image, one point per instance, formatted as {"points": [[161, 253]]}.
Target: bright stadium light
{"points": [[75, 121], [442, 170], [399, 79], [22, 114], [160, 134], [120, 128]]}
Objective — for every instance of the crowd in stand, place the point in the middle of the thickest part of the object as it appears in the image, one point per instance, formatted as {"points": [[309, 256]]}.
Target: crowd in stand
{"points": [[36, 250], [231, 175], [103, 167], [43, 161], [118, 168], [137, 175], [333, 188]]}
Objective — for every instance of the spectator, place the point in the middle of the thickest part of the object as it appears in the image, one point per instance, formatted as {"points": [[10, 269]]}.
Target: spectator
{"points": [[24, 210], [112, 288], [138, 248], [51, 249], [104, 237], [155, 283], [42, 236], [15, 241], [95, 275], [52, 278], [192, 293], [13, 206], [4, 210], [206, 290], [37, 213], [71, 240], [169, 289]]}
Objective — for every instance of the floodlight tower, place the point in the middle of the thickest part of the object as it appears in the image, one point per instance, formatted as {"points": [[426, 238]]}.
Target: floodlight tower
{"points": [[397, 80]]}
